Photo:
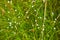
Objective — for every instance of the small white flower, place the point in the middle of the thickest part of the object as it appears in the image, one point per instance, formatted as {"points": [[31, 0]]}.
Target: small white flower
{"points": [[32, 25], [14, 32], [37, 24], [54, 28], [44, 1], [18, 16], [16, 27], [26, 12], [8, 11], [40, 17], [28, 17], [19, 23], [8, 1], [8, 19], [52, 13], [11, 1], [38, 27], [55, 19], [35, 10], [32, 6], [44, 18], [35, 20], [15, 22], [43, 29], [10, 24], [15, 10], [43, 25]]}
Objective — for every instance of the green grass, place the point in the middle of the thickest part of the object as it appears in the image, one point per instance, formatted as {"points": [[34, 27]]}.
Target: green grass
{"points": [[29, 19]]}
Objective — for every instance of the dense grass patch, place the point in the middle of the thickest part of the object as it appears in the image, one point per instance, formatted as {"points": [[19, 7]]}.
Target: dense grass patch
{"points": [[29, 19]]}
